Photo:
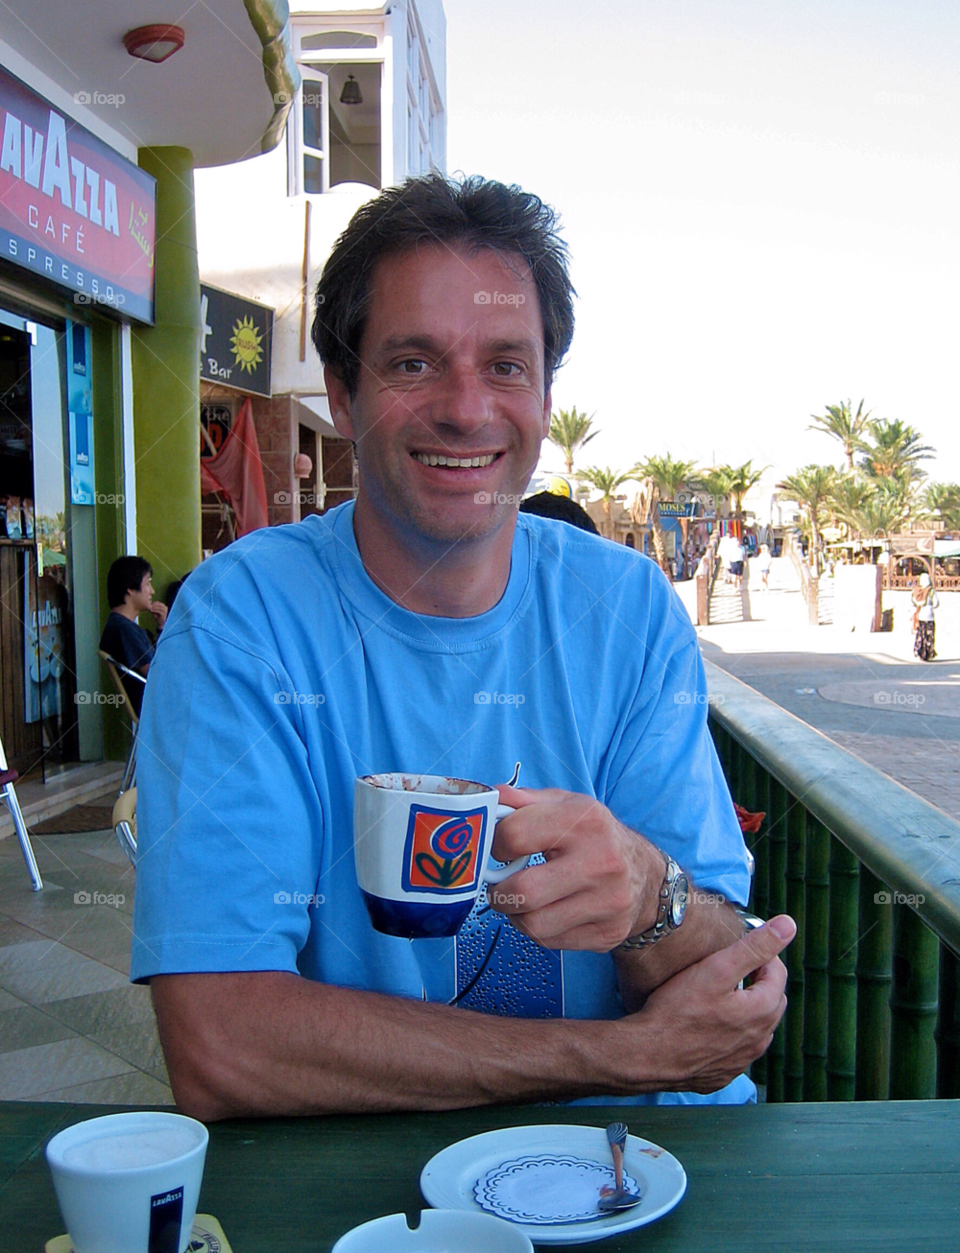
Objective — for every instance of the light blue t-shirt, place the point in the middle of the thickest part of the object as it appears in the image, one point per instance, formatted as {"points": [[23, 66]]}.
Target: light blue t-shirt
{"points": [[284, 672]]}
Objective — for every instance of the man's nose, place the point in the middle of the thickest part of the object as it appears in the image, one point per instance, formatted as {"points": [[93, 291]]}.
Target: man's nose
{"points": [[462, 403]]}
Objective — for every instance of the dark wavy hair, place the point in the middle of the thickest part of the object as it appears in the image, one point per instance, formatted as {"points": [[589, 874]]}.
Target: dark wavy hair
{"points": [[126, 575], [475, 212]]}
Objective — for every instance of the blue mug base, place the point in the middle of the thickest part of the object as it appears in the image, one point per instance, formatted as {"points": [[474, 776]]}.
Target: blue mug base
{"points": [[412, 920]]}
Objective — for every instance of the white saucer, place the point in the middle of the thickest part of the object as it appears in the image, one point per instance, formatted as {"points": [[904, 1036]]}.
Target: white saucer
{"points": [[490, 1172]]}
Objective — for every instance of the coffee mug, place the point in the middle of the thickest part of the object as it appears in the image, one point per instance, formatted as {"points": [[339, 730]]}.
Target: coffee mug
{"points": [[129, 1183], [421, 843]]}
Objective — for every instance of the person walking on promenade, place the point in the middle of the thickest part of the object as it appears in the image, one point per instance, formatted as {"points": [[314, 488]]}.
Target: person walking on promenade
{"points": [[925, 601], [765, 561]]}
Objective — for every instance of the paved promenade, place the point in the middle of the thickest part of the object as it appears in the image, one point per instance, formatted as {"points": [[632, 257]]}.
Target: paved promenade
{"points": [[865, 691]]}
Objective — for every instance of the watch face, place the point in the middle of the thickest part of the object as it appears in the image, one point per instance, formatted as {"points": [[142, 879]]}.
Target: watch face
{"points": [[678, 901]]}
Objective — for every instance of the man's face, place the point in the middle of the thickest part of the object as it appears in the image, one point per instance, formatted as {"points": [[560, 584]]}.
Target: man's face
{"points": [[143, 598], [444, 376]]}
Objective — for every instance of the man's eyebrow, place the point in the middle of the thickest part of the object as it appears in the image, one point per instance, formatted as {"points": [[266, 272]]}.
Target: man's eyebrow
{"points": [[395, 343], [426, 343], [529, 346]]}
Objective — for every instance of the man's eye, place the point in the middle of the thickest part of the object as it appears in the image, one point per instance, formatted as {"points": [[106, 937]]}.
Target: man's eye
{"points": [[413, 367], [506, 369]]}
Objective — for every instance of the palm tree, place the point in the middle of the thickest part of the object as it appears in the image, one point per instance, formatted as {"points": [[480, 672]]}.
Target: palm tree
{"points": [[811, 487], [741, 479], [606, 481], [849, 500], [942, 501], [715, 482], [847, 427], [895, 451], [570, 431], [886, 510], [646, 509], [669, 475]]}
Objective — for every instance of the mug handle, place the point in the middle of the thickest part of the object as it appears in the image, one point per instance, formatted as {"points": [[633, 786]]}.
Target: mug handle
{"points": [[498, 876]]}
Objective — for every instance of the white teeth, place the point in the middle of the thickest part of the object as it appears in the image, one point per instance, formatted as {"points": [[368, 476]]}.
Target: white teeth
{"points": [[434, 459]]}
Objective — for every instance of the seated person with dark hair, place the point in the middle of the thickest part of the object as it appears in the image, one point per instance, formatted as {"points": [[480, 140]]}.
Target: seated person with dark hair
{"points": [[549, 505], [130, 593]]}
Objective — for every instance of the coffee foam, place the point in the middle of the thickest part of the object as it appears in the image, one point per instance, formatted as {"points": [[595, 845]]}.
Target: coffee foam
{"points": [[131, 1149]]}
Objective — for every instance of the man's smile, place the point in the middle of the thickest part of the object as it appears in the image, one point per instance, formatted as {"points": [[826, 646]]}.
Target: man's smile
{"points": [[477, 460]]}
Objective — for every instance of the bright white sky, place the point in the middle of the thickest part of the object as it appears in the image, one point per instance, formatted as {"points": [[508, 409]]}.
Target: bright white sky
{"points": [[761, 200]]}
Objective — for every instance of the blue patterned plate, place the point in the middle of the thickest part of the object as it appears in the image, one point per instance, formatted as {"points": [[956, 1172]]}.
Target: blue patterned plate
{"points": [[546, 1180], [546, 1189]]}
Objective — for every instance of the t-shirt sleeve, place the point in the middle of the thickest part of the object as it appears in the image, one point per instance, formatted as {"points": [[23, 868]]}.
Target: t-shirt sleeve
{"points": [[126, 642], [665, 779], [229, 821]]}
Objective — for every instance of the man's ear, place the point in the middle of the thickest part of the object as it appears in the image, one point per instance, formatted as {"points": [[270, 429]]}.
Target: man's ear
{"points": [[339, 400], [547, 412]]}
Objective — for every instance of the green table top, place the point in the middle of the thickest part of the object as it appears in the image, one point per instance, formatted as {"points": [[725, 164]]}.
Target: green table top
{"points": [[877, 1176]]}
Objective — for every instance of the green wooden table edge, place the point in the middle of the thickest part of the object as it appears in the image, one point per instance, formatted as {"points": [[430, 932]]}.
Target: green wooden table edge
{"points": [[302, 1171]]}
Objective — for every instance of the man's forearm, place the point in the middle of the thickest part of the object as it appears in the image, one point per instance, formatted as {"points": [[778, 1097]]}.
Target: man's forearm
{"points": [[274, 1043], [710, 925]]}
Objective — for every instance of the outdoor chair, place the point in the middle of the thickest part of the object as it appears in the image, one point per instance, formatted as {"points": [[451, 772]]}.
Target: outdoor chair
{"points": [[125, 823], [7, 779], [119, 672]]}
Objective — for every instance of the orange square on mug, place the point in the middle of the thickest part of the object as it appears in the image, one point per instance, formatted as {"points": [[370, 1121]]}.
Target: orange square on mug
{"points": [[443, 851]]}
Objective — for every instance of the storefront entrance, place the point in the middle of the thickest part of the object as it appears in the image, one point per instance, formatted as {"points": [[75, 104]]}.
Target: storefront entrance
{"points": [[45, 539]]}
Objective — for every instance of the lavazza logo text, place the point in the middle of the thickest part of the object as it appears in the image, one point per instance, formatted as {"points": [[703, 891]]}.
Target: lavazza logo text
{"points": [[498, 698]]}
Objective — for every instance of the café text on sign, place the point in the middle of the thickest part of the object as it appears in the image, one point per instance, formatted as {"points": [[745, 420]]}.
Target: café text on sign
{"points": [[71, 209]]}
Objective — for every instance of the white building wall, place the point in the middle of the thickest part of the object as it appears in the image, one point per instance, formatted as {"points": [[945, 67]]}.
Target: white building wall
{"points": [[251, 232]]}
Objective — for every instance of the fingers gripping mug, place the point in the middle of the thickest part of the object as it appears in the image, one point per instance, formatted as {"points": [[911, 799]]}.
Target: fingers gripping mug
{"points": [[421, 844]]}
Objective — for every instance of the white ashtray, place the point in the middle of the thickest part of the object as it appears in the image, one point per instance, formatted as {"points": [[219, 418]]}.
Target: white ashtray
{"points": [[440, 1231]]}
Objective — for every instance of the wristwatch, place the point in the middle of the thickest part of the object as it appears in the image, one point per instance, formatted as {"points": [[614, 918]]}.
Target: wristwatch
{"points": [[674, 891]]}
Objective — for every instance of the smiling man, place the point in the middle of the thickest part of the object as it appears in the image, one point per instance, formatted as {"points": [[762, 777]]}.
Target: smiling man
{"points": [[368, 640]]}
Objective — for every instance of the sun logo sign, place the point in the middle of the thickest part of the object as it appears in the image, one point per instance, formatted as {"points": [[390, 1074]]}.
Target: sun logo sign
{"points": [[444, 851], [245, 344]]}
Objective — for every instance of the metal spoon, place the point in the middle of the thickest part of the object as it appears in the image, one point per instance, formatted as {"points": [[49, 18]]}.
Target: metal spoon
{"points": [[614, 1199]]}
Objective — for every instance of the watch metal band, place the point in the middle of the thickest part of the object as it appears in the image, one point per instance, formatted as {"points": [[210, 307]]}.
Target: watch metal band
{"points": [[662, 926]]}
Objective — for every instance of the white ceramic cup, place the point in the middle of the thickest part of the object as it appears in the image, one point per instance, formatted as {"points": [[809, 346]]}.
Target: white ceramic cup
{"points": [[129, 1183], [421, 844]]}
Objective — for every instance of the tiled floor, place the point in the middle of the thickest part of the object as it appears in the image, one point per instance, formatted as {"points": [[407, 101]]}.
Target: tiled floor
{"points": [[72, 1027]]}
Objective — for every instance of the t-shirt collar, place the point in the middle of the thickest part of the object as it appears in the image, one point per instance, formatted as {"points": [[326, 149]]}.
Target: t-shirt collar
{"points": [[427, 630]]}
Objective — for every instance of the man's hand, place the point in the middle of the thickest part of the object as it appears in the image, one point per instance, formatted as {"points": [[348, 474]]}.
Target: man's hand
{"points": [[601, 882], [159, 611], [710, 1030]]}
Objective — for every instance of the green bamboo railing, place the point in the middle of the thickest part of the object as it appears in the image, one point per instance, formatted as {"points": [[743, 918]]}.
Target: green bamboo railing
{"points": [[871, 873]]}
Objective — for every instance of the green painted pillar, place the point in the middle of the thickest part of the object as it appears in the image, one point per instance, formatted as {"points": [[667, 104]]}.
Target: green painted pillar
{"points": [[166, 381]]}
